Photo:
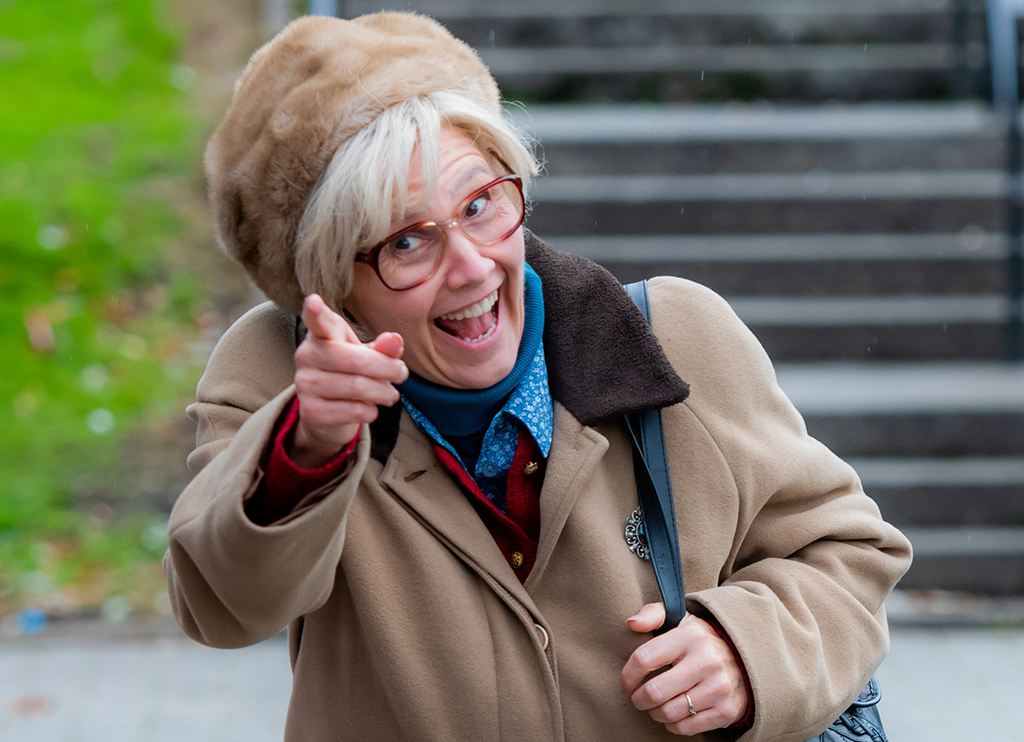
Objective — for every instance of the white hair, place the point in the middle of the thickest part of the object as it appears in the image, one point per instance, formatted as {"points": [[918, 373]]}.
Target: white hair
{"points": [[366, 185]]}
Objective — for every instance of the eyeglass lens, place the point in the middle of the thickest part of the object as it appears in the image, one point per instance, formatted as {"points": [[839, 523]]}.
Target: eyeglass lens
{"points": [[486, 217]]}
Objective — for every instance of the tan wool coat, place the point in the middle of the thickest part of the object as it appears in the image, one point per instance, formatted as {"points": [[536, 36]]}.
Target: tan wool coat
{"points": [[406, 622]]}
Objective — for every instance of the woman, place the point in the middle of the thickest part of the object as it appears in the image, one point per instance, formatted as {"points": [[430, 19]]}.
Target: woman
{"points": [[427, 479]]}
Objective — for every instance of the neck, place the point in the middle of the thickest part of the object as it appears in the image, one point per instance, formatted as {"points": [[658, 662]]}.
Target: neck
{"points": [[460, 412]]}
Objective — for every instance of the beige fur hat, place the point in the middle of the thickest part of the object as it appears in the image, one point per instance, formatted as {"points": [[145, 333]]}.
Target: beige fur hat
{"points": [[302, 95]]}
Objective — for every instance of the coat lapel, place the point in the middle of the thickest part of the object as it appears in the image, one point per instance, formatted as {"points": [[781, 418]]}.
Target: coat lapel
{"points": [[416, 477], [576, 452]]}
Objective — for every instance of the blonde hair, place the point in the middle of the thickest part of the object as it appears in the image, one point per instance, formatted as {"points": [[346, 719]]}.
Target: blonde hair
{"points": [[365, 187]]}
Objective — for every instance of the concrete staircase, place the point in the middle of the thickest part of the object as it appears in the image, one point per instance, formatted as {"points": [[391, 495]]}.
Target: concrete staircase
{"points": [[873, 279], [861, 241], [704, 50]]}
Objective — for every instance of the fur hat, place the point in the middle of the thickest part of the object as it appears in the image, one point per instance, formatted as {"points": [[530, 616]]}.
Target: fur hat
{"points": [[301, 96]]}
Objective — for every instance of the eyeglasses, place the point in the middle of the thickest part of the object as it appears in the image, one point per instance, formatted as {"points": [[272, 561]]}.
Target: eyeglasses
{"points": [[412, 255]]}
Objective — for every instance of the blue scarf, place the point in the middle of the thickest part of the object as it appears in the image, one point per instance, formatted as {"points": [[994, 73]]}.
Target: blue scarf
{"points": [[463, 412]]}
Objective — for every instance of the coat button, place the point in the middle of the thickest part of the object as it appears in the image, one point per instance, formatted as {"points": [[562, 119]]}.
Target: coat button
{"points": [[517, 559], [544, 639], [489, 469], [530, 468]]}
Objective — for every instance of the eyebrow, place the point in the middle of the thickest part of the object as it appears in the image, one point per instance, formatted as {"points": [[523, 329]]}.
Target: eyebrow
{"points": [[472, 173], [463, 180]]}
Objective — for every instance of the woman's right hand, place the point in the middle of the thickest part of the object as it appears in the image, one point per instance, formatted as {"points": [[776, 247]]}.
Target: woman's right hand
{"points": [[339, 381]]}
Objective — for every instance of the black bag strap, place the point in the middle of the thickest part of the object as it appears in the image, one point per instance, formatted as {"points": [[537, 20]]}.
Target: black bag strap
{"points": [[654, 489], [861, 721]]}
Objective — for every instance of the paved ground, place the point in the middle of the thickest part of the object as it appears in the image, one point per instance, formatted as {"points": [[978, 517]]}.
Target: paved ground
{"points": [[159, 690], [70, 685]]}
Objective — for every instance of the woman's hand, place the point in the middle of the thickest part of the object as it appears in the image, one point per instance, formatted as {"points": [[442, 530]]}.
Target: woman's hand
{"points": [[702, 665], [339, 382]]}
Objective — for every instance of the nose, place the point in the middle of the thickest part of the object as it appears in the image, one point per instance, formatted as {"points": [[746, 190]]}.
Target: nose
{"points": [[466, 264]]}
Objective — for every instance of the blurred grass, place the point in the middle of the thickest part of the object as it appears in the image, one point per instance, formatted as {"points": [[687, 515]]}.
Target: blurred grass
{"points": [[99, 315]]}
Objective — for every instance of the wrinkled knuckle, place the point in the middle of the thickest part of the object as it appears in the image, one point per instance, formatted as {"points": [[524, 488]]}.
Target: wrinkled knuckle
{"points": [[345, 411], [719, 687], [358, 364], [303, 354], [677, 727], [653, 692], [304, 379], [659, 715], [359, 387], [644, 658], [672, 711], [732, 708], [707, 666]]}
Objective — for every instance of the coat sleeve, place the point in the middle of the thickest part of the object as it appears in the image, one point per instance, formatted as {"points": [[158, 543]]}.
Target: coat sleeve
{"points": [[812, 560], [231, 582]]}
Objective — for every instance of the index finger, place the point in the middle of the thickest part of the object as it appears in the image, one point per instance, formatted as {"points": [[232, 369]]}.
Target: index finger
{"points": [[652, 655], [323, 323]]}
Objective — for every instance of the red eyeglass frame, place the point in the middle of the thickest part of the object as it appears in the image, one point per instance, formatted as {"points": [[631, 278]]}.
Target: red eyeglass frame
{"points": [[371, 257]]}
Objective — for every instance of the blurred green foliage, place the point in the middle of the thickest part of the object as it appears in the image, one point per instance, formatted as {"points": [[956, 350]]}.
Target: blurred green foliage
{"points": [[96, 320]]}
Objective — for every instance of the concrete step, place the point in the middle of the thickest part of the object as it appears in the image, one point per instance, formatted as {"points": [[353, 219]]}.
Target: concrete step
{"points": [[692, 27], [940, 434], [690, 51], [970, 244], [696, 157], [616, 29], [822, 59], [744, 72], [575, 8], [877, 311], [623, 123], [911, 410], [855, 389], [935, 492], [816, 185], [536, 23], [910, 328], [979, 559], [924, 343], [807, 265], [708, 139], [815, 202]]}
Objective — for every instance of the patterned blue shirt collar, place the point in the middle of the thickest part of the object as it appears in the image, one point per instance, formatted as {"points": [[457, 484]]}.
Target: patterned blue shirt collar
{"points": [[529, 405]]}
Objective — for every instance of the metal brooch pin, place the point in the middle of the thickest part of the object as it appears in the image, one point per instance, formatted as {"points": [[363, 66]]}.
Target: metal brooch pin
{"points": [[636, 536]]}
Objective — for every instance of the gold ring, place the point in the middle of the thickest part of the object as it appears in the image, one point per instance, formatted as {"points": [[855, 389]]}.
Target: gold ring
{"points": [[692, 711]]}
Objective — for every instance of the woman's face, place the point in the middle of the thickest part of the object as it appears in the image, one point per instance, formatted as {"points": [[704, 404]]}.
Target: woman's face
{"points": [[469, 353]]}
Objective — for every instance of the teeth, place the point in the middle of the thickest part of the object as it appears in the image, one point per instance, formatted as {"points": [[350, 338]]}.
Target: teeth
{"points": [[484, 336], [474, 311]]}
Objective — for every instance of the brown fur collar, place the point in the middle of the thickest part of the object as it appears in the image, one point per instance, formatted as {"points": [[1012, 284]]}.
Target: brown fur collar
{"points": [[603, 360]]}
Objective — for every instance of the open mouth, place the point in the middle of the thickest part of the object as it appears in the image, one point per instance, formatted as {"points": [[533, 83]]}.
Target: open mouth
{"points": [[474, 323]]}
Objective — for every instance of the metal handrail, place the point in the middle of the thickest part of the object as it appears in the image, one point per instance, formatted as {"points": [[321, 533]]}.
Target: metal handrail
{"points": [[323, 7], [1003, 46]]}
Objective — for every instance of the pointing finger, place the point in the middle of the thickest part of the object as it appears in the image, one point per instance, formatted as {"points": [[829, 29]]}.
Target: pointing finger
{"points": [[350, 358], [323, 323]]}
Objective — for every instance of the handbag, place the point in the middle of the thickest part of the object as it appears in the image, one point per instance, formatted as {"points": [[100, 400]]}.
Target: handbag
{"points": [[861, 722]]}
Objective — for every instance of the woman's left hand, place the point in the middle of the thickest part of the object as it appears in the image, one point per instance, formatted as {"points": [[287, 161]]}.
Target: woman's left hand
{"points": [[702, 665]]}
